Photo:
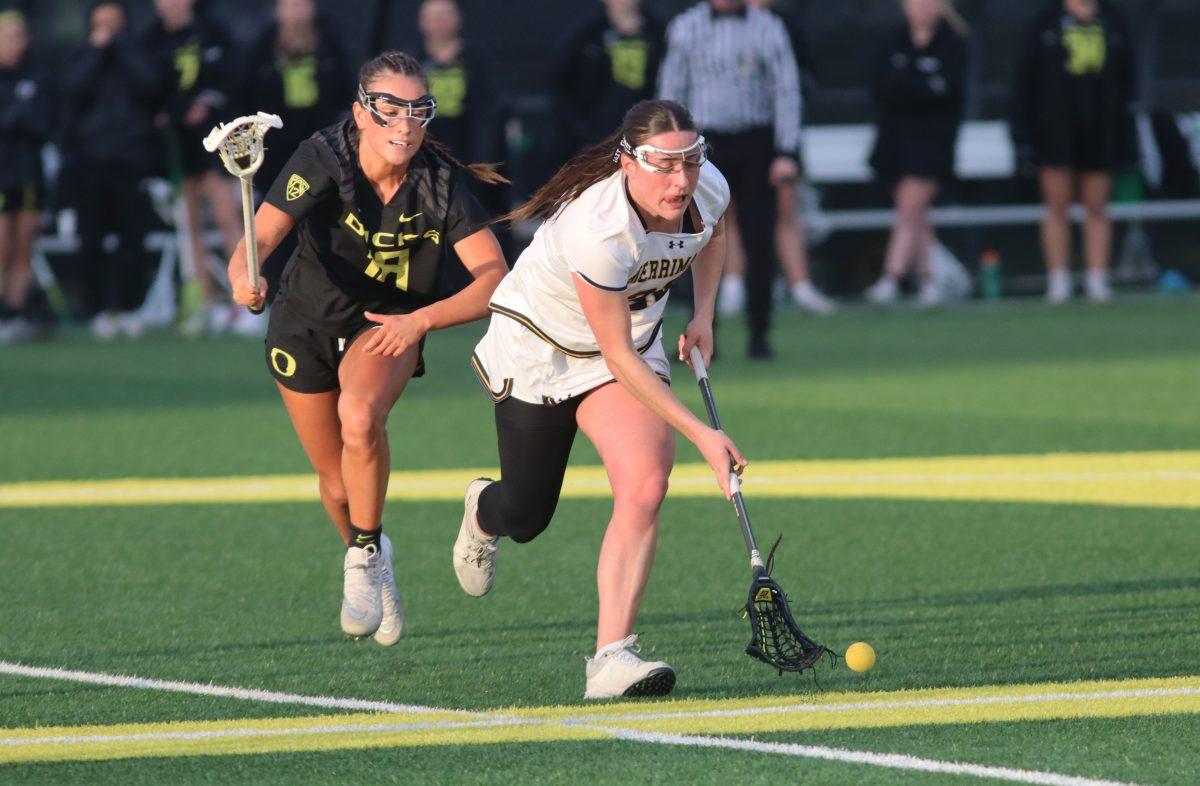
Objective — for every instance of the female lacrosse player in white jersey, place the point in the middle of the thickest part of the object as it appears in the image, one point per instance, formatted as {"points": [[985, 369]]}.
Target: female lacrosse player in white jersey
{"points": [[575, 343]]}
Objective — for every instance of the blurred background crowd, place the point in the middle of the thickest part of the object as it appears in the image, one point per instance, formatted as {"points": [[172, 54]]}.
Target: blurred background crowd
{"points": [[882, 151]]}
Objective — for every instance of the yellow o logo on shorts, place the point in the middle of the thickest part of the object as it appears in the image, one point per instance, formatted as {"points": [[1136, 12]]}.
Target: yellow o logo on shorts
{"points": [[284, 363]]}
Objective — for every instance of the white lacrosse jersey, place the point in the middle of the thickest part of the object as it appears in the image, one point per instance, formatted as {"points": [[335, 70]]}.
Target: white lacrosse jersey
{"points": [[539, 346]]}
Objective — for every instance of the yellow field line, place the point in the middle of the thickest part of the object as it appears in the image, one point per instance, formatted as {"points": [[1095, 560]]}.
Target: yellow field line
{"points": [[1164, 479], [992, 704]]}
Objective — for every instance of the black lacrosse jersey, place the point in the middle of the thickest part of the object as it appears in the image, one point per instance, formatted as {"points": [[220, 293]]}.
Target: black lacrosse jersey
{"points": [[356, 254]]}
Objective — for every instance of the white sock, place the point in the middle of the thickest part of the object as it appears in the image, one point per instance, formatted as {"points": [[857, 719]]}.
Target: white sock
{"points": [[610, 647]]}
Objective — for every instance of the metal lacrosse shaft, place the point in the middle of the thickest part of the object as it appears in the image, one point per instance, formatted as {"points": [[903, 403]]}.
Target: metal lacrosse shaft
{"points": [[735, 484], [239, 144], [251, 237]]}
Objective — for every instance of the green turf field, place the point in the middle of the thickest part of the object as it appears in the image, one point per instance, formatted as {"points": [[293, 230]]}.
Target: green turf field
{"points": [[1022, 636]]}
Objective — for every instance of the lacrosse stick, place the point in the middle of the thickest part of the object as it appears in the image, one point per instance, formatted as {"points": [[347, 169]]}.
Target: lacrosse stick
{"points": [[240, 145], [775, 638]]}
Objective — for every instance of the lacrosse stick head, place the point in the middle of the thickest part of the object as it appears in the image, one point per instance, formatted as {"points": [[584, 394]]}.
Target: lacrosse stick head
{"points": [[775, 638], [240, 142]]}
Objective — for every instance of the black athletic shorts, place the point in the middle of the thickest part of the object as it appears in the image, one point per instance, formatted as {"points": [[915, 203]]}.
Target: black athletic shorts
{"points": [[305, 358], [29, 196]]}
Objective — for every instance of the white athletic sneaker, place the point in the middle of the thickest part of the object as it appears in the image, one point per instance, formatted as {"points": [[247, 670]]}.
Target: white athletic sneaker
{"points": [[218, 318], [249, 325], [883, 291], [1058, 286], [362, 604], [930, 294], [474, 554], [130, 324], [809, 298], [391, 626], [104, 326], [616, 670], [731, 297], [1096, 285]]}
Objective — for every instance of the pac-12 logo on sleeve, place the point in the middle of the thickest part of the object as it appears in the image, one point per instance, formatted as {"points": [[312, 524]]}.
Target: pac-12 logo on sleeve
{"points": [[296, 187]]}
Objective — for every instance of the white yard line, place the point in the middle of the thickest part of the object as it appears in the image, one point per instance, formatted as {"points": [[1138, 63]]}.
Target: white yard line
{"points": [[201, 689], [894, 761], [593, 722]]}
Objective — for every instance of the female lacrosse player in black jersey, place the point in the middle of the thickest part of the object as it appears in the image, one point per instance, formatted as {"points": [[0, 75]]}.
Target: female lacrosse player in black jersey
{"points": [[380, 207]]}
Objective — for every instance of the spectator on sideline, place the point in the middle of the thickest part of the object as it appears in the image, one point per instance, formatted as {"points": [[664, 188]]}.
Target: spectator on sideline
{"points": [[297, 69], [606, 66], [1072, 119], [918, 85], [192, 55], [468, 114], [108, 140], [789, 232], [732, 66], [25, 123]]}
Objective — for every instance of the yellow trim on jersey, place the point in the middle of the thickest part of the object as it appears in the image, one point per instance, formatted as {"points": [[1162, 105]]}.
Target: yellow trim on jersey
{"points": [[505, 389]]}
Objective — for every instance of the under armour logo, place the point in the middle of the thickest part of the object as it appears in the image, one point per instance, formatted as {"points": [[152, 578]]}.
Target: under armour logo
{"points": [[674, 244]]}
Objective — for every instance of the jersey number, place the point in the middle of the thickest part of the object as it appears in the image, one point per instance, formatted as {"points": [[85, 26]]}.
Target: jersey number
{"points": [[299, 82], [628, 62], [187, 63], [382, 264], [1086, 49], [644, 300]]}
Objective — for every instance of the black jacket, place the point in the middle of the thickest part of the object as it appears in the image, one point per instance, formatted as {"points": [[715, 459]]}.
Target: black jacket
{"points": [[593, 90], [26, 122], [468, 113], [919, 103], [109, 95], [1044, 93], [308, 92], [199, 59]]}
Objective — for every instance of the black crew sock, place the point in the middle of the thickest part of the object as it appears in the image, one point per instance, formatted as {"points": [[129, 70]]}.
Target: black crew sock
{"points": [[361, 538]]}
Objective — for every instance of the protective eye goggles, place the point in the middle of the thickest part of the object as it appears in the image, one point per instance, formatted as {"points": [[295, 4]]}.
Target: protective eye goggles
{"points": [[662, 161], [389, 111]]}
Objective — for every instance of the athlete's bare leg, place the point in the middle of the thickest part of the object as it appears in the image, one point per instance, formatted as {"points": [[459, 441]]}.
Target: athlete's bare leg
{"points": [[789, 237], [20, 264], [191, 201], [1095, 190], [735, 255], [1057, 186], [315, 418], [638, 450], [907, 244], [371, 384], [8, 235], [224, 202]]}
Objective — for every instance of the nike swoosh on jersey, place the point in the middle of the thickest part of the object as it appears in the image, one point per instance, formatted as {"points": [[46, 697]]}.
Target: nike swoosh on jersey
{"points": [[403, 219]]}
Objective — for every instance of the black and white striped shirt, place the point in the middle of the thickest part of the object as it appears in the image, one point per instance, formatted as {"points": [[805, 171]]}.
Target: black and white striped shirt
{"points": [[734, 72]]}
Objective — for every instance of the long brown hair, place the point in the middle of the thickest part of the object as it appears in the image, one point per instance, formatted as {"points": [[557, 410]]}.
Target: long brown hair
{"points": [[643, 120], [397, 63]]}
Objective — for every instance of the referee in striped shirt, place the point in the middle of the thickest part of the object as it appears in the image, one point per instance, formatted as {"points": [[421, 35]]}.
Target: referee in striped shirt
{"points": [[734, 68]]}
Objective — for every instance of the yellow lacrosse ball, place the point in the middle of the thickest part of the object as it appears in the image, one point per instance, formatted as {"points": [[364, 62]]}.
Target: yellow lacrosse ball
{"points": [[860, 656]]}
